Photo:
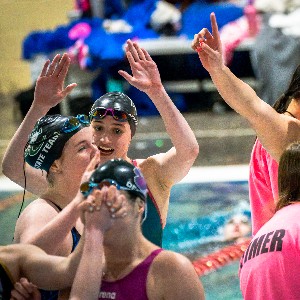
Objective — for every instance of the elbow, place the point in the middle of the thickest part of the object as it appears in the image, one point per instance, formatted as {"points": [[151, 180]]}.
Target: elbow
{"points": [[9, 172], [193, 151]]}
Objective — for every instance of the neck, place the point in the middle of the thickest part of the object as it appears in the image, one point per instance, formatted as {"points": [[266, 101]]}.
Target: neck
{"points": [[122, 257], [61, 199]]}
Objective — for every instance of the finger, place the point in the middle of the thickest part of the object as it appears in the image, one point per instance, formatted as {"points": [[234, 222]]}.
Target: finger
{"points": [[63, 63], [110, 196], [132, 51], [53, 64], [206, 50], [16, 296], [21, 290], [98, 198], [64, 67], [147, 55], [122, 210], [139, 51], [95, 161], [26, 284], [45, 68], [214, 26]]}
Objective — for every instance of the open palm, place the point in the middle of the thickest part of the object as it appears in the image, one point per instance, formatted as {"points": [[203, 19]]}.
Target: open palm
{"points": [[145, 74]]}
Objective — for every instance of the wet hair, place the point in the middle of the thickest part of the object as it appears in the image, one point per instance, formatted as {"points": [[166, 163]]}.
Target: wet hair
{"points": [[125, 174], [118, 101], [292, 92], [48, 138], [289, 176]]}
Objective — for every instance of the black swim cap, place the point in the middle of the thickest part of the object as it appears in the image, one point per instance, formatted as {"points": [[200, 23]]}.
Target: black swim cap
{"points": [[124, 174], [118, 101], [48, 138]]}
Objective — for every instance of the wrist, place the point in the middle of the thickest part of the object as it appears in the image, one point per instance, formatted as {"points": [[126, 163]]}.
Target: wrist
{"points": [[156, 91]]}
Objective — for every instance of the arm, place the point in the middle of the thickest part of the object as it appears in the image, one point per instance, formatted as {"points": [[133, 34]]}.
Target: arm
{"points": [[174, 278], [268, 124], [88, 287], [49, 91], [174, 164]]}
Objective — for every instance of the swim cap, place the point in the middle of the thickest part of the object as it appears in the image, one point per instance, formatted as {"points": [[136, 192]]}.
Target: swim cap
{"points": [[118, 101], [126, 175], [48, 138]]}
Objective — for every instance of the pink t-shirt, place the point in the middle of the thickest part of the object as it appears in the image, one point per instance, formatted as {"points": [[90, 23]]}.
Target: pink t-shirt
{"points": [[263, 186], [269, 268]]}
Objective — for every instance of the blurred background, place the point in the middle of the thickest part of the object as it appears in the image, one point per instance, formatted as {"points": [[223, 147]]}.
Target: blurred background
{"points": [[209, 212]]}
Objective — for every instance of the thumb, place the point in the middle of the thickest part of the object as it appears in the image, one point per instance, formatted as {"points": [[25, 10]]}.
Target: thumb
{"points": [[126, 76], [69, 89]]}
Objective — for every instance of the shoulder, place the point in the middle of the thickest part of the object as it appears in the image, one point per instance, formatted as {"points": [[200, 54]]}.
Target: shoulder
{"points": [[168, 262], [173, 275], [35, 215]]}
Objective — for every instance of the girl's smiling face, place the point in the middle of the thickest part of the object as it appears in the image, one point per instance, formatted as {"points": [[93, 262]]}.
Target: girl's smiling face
{"points": [[111, 137]]}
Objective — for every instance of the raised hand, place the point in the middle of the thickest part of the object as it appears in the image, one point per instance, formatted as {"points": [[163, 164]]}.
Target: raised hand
{"points": [[49, 89], [145, 74], [209, 46]]}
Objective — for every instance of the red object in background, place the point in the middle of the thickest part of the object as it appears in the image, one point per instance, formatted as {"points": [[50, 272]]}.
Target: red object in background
{"points": [[220, 258]]}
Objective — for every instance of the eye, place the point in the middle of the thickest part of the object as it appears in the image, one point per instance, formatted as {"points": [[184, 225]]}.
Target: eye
{"points": [[117, 131], [83, 147], [98, 128]]}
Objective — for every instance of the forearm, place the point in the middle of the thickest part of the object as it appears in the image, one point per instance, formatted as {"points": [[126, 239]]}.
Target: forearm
{"points": [[88, 287], [12, 164], [179, 131], [237, 94]]}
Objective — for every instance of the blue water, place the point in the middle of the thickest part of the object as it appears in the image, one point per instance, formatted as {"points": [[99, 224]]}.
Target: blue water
{"points": [[197, 214]]}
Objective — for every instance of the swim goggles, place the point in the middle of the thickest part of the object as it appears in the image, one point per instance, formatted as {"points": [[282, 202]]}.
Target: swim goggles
{"points": [[99, 113], [74, 122], [87, 187]]}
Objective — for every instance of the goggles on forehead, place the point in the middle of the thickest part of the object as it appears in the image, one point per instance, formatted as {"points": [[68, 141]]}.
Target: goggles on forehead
{"points": [[74, 122], [71, 124], [100, 113], [86, 188]]}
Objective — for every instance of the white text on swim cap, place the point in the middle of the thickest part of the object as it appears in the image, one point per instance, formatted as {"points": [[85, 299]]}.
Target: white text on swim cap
{"points": [[45, 149]]}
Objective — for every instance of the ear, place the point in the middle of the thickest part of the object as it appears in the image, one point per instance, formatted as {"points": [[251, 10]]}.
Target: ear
{"points": [[56, 167], [141, 204]]}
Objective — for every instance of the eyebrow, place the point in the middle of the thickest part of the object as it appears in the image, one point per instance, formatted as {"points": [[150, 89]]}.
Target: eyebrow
{"points": [[120, 124]]}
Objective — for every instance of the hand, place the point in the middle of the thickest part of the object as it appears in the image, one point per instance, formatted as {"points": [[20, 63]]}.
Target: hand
{"points": [[25, 290], [209, 46], [102, 207], [145, 75], [49, 89]]}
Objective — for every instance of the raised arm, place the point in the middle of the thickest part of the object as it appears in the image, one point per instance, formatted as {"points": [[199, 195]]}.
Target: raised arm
{"points": [[174, 164], [274, 130], [49, 91]]}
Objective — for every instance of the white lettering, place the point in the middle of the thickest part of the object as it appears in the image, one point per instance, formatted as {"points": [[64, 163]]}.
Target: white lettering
{"points": [[107, 295], [39, 160]]}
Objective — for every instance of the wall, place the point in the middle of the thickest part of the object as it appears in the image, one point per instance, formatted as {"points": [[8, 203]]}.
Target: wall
{"points": [[17, 19]]}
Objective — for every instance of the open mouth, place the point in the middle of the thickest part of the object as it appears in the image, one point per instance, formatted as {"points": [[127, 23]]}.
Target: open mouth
{"points": [[106, 151]]}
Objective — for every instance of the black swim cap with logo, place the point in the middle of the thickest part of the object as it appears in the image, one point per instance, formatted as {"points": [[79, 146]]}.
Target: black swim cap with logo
{"points": [[124, 174], [48, 138], [120, 102]]}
